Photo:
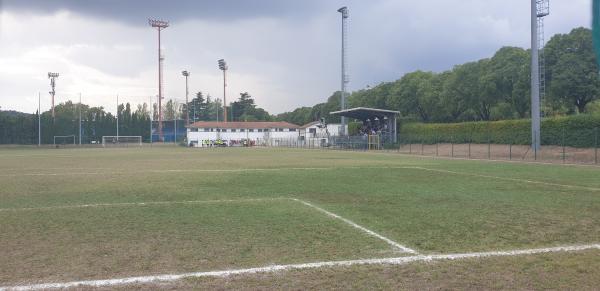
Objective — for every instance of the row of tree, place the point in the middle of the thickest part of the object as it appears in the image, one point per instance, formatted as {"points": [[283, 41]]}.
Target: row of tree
{"points": [[207, 109], [489, 89], [22, 128]]}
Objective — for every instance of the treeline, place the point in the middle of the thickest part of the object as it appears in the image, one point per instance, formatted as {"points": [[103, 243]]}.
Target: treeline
{"points": [[243, 109], [495, 88], [22, 128], [134, 120]]}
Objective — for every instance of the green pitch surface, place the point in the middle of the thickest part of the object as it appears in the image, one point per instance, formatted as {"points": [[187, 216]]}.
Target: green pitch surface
{"points": [[75, 214]]}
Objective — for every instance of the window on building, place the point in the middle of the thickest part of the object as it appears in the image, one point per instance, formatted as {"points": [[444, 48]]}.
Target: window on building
{"points": [[260, 130], [280, 129], [312, 130], [292, 129], [251, 130], [242, 130], [233, 130], [218, 130], [193, 129], [207, 129]]}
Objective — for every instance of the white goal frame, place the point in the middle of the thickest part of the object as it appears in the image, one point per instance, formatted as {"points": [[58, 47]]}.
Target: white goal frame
{"points": [[123, 141], [65, 137]]}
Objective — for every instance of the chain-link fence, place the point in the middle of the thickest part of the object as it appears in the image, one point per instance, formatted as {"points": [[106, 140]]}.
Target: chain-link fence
{"points": [[574, 146], [564, 146]]}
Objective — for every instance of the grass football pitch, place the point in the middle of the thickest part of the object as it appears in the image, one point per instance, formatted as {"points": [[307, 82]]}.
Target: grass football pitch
{"points": [[71, 215]]}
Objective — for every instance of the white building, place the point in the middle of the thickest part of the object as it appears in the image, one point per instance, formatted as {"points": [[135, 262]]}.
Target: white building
{"points": [[208, 133], [316, 130]]}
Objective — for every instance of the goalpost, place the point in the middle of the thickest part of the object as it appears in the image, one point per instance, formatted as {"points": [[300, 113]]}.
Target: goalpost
{"points": [[64, 139], [121, 141]]}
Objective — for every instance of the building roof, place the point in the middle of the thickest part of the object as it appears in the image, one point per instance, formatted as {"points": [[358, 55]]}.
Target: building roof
{"points": [[363, 113], [245, 125], [310, 124]]}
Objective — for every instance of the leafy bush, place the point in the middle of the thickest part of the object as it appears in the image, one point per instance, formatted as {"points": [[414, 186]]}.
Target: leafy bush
{"points": [[576, 131]]}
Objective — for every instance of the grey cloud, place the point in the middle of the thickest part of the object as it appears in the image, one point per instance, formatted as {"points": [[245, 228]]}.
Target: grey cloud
{"points": [[132, 11]]}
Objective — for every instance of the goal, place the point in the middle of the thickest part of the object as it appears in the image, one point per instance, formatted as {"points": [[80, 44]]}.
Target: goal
{"points": [[64, 140], [121, 141]]}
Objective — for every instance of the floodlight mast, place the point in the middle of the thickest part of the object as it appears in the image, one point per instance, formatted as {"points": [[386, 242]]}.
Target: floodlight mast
{"points": [[344, 80], [159, 25], [52, 77], [539, 10], [186, 74], [223, 67]]}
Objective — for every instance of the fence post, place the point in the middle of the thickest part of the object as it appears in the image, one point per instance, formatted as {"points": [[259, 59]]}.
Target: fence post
{"points": [[510, 151], [422, 146], [409, 146], [596, 147], [535, 148], [437, 142], [452, 146], [489, 146], [469, 155], [563, 145]]}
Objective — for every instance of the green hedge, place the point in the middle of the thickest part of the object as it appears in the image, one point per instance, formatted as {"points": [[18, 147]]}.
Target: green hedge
{"points": [[575, 131]]}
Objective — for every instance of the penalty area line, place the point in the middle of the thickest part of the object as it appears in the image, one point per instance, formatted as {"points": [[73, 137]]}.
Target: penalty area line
{"points": [[279, 268], [364, 229], [150, 203]]}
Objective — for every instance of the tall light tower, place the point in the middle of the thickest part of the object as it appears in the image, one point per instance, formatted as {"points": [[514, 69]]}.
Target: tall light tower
{"points": [[186, 74], [539, 10], [52, 77], [345, 80], [223, 67], [159, 25]]}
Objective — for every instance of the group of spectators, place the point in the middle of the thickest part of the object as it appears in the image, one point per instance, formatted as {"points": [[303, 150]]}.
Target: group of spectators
{"points": [[374, 127]]}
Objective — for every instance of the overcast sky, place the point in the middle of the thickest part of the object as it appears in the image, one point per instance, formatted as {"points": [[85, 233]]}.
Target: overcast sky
{"points": [[286, 54]]}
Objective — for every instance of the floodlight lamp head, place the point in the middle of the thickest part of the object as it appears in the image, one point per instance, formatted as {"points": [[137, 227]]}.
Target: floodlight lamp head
{"points": [[52, 75], [344, 11], [185, 73], [223, 65], [158, 23]]}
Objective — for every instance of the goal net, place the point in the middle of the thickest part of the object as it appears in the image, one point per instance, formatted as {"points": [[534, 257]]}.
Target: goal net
{"points": [[121, 141], [64, 139]]}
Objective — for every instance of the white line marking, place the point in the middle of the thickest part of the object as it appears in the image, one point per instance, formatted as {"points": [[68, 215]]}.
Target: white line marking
{"points": [[278, 268], [503, 178], [198, 171], [514, 161], [125, 204], [368, 231], [143, 204]]}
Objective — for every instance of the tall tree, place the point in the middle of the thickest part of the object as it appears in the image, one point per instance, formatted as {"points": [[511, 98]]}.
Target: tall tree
{"points": [[572, 70]]}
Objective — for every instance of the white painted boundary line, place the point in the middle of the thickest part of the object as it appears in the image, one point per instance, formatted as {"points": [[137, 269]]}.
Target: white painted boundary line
{"points": [[368, 231], [305, 169], [124, 204], [514, 161], [278, 268], [200, 171], [503, 178], [169, 171]]}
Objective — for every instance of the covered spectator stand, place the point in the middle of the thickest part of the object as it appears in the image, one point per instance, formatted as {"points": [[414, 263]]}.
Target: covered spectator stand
{"points": [[378, 122]]}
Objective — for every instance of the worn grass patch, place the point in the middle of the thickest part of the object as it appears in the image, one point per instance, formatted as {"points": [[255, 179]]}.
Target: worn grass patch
{"points": [[558, 271], [393, 195], [107, 242]]}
